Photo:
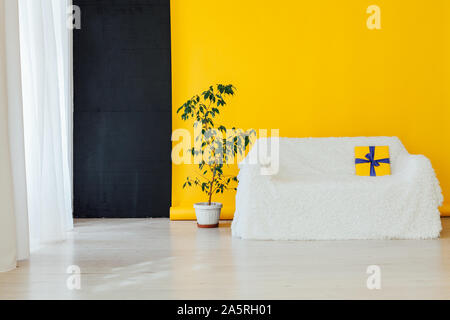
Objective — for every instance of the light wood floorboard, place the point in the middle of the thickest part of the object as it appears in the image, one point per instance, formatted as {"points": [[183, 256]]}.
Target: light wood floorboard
{"points": [[159, 259]]}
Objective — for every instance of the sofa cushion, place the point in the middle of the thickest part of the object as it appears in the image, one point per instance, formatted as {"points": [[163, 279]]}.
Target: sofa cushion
{"points": [[324, 156]]}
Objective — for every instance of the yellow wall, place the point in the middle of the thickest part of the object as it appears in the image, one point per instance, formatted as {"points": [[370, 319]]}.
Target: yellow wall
{"points": [[312, 68]]}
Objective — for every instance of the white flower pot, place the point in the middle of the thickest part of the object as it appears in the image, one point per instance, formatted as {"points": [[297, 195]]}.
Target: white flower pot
{"points": [[208, 216]]}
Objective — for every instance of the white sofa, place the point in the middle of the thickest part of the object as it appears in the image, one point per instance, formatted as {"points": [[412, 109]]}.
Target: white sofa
{"points": [[316, 195]]}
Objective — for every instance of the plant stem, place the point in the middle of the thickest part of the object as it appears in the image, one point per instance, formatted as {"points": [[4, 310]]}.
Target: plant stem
{"points": [[212, 185]]}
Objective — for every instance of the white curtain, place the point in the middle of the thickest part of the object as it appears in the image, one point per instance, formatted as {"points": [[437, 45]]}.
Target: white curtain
{"points": [[47, 104], [35, 126], [8, 252], [16, 134]]}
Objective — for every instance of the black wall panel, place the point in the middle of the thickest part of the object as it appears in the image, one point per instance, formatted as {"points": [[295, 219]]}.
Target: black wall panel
{"points": [[122, 111]]}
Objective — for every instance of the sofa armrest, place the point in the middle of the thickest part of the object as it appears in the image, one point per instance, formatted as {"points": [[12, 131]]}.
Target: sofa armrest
{"points": [[419, 170], [411, 164], [260, 169]]}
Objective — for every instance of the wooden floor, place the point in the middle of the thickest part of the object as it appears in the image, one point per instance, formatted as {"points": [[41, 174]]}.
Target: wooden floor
{"points": [[158, 259]]}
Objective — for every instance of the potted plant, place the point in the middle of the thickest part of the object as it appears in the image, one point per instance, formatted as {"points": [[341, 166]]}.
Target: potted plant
{"points": [[213, 151]]}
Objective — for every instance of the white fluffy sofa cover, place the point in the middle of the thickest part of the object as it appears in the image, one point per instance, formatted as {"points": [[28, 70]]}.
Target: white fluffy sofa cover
{"points": [[316, 194]]}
